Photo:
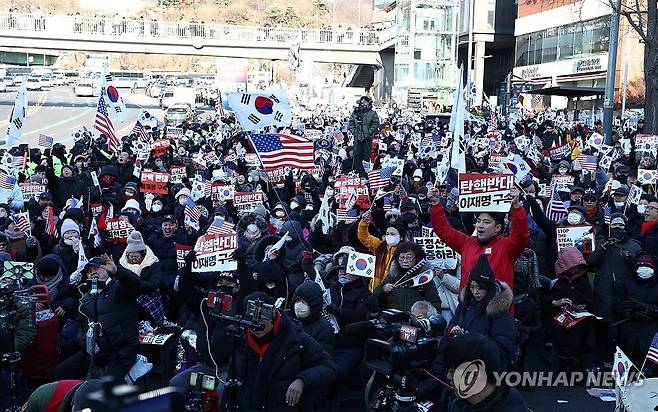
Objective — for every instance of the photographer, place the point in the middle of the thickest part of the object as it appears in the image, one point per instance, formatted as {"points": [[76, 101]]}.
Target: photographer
{"points": [[363, 125], [213, 344], [280, 365], [17, 329]]}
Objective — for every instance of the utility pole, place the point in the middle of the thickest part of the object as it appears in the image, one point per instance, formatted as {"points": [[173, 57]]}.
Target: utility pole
{"points": [[624, 85], [609, 100]]}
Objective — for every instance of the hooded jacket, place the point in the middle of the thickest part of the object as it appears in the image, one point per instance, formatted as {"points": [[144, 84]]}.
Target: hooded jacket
{"points": [[404, 296], [62, 294], [383, 253], [316, 325], [294, 252]]}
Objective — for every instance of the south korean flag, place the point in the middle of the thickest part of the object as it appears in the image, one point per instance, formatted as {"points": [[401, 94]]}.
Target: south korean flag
{"points": [[257, 110]]}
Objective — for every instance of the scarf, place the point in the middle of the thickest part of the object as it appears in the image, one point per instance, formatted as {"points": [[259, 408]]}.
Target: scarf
{"points": [[51, 283], [148, 260], [647, 226]]}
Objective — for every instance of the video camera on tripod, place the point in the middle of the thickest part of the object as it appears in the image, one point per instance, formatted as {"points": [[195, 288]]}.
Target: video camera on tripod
{"points": [[256, 312]]}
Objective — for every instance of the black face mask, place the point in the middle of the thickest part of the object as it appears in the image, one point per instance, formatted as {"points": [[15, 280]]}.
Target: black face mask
{"points": [[617, 233], [622, 179], [409, 217]]}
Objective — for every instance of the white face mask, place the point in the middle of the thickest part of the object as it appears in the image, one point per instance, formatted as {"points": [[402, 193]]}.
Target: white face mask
{"points": [[645, 272], [562, 171], [182, 200], [392, 240], [294, 205], [302, 310], [156, 207], [329, 192], [641, 209], [619, 205], [573, 218]]}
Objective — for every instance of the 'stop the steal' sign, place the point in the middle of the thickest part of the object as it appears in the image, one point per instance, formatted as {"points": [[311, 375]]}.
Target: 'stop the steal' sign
{"points": [[480, 192]]}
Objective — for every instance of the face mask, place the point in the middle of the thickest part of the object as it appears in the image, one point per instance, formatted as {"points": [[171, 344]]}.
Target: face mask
{"points": [[617, 233], [641, 209], [619, 205], [645, 272], [182, 200], [294, 205], [392, 240], [573, 218], [343, 280], [329, 192], [409, 217], [156, 207], [563, 171], [417, 179], [276, 222], [302, 310]]}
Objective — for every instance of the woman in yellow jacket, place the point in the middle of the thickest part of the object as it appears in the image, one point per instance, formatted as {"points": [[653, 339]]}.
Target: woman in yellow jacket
{"points": [[384, 250]]}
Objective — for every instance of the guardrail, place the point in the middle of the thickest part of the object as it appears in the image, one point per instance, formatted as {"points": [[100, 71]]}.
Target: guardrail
{"points": [[60, 26]]}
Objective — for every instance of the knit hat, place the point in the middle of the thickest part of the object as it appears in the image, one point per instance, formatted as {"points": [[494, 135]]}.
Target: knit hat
{"points": [[418, 173], [481, 272], [132, 204], [47, 266], [568, 258], [135, 242], [184, 191], [399, 227], [618, 218], [70, 226], [646, 259]]}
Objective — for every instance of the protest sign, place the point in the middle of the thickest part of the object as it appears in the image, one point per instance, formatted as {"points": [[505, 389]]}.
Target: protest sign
{"points": [[215, 253], [581, 237], [178, 173], [359, 193], [181, 253], [118, 230], [559, 153], [494, 160], [436, 250], [251, 159], [174, 132], [96, 209], [563, 183], [485, 192], [247, 201], [154, 182], [347, 181], [31, 190], [160, 147], [151, 338]]}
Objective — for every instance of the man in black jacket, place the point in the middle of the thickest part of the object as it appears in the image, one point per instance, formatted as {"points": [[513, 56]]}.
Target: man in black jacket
{"points": [[280, 365]]}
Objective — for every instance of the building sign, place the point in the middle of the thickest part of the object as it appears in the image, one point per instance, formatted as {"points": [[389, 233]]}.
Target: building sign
{"points": [[563, 68]]}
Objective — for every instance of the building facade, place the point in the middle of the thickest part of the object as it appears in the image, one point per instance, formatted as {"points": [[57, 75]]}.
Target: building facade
{"points": [[425, 53]]}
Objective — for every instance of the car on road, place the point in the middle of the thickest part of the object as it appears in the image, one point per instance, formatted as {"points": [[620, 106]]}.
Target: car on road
{"points": [[178, 113], [3, 84], [58, 80], [85, 88], [46, 81], [33, 83]]}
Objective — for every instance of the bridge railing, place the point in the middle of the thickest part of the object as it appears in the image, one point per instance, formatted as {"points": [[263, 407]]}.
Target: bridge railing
{"points": [[65, 26]]}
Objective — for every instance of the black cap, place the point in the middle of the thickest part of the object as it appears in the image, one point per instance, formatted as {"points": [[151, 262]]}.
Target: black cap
{"points": [[481, 272], [170, 218], [96, 261], [46, 195], [590, 194], [578, 208], [577, 189]]}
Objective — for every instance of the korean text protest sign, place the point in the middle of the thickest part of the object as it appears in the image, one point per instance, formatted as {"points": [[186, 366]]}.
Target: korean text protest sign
{"points": [[154, 182], [581, 237], [31, 190], [174, 132], [118, 230], [351, 195], [485, 192], [247, 201], [178, 173], [160, 147], [436, 250], [181, 253], [215, 253], [563, 183]]}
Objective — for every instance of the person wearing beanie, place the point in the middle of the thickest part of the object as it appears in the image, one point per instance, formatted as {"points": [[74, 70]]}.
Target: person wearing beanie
{"points": [[68, 185], [637, 305], [502, 250], [574, 346], [271, 279], [307, 304], [384, 250], [485, 309], [282, 367]]}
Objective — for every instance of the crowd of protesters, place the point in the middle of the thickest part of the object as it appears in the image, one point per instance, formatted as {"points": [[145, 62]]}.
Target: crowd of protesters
{"points": [[499, 303]]}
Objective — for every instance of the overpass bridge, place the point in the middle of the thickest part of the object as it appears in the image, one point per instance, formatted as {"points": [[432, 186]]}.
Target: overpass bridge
{"points": [[20, 31]]}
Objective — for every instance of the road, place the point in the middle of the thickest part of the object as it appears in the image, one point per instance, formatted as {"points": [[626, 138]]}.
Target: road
{"points": [[57, 112]]}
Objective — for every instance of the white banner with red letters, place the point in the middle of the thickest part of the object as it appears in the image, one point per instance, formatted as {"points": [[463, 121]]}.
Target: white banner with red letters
{"points": [[480, 192]]}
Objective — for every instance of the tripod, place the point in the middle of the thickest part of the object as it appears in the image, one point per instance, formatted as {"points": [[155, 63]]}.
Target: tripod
{"points": [[11, 359]]}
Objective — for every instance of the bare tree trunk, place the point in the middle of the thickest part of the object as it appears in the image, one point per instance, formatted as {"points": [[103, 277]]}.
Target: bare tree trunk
{"points": [[651, 69]]}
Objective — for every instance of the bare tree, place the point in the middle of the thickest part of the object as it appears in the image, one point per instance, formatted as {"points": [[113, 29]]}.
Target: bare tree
{"points": [[642, 16]]}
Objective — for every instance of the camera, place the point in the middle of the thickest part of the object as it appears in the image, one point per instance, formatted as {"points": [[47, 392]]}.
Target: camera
{"points": [[127, 398]]}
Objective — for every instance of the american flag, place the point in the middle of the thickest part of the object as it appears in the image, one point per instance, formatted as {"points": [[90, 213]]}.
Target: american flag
{"points": [[6, 181], [22, 221], [277, 151], [555, 209], [45, 141], [652, 355], [220, 226], [192, 211], [104, 125], [607, 211], [379, 178], [341, 215], [18, 161], [51, 229], [586, 162], [140, 131]]}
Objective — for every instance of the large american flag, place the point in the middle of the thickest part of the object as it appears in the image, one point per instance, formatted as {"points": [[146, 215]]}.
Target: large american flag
{"points": [[277, 151], [219, 226], [192, 211], [379, 178], [140, 131], [104, 125], [556, 210], [652, 355], [22, 221], [6, 181]]}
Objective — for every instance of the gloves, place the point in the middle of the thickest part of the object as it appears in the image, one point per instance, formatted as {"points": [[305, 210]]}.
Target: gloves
{"points": [[31, 241], [334, 310]]}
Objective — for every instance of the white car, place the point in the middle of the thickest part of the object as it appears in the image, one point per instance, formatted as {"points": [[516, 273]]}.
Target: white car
{"points": [[58, 80], [46, 81], [85, 88], [33, 83]]}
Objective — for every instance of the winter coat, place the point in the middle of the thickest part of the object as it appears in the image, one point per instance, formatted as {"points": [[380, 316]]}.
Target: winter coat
{"points": [[315, 325], [165, 249], [25, 328], [383, 253], [504, 399], [16, 194], [294, 252], [496, 323], [267, 373], [65, 295], [115, 308], [635, 334], [649, 239], [68, 256], [404, 296], [363, 125], [447, 289], [502, 250], [64, 188], [577, 289], [613, 265], [354, 302]]}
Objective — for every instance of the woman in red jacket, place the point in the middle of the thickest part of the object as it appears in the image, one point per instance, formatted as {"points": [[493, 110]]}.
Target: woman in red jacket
{"points": [[502, 251]]}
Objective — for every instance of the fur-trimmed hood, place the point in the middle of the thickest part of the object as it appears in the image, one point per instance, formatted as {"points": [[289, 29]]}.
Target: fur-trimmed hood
{"points": [[500, 302], [149, 260]]}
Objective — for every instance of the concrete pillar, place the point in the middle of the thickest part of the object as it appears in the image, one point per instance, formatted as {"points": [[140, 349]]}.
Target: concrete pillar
{"points": [[479, 72]]}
